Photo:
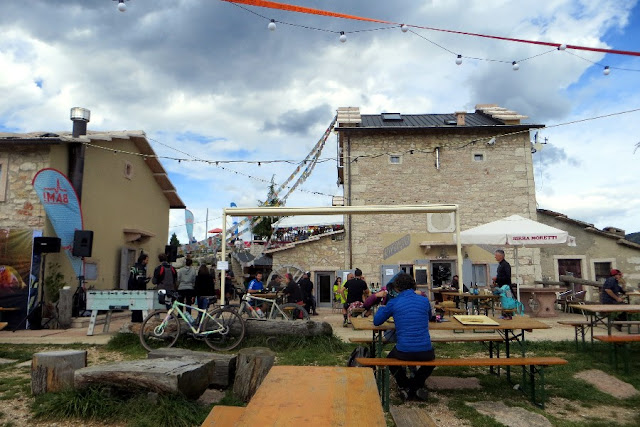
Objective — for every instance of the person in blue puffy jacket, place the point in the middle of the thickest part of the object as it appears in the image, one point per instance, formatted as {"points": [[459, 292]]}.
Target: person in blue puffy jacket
{"points": [[411, 313]]}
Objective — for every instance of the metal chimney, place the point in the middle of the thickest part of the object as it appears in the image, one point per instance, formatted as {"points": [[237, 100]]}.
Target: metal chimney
{"points": [[80, 117]]}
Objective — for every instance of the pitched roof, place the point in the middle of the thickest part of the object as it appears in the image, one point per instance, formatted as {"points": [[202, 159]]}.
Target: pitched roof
{"points": [[138, 137], [427, 121]]}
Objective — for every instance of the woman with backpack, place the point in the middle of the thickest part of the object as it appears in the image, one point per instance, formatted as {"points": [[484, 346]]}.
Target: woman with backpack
{"points": [[186, 283]]}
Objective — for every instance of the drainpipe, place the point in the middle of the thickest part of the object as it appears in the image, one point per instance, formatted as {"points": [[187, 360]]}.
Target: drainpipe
{"points": [[80, 117], [349, 236]]}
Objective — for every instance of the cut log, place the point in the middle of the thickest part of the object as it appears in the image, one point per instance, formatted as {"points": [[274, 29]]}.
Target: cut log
{"points": [[252, 365], [53, 370], [186, 376], [307, 328], [225, 364]]}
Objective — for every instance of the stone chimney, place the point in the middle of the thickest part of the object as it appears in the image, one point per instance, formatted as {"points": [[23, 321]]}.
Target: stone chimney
{"points": [[460, 115], [508, 117], [614, 230], [349, 117]]}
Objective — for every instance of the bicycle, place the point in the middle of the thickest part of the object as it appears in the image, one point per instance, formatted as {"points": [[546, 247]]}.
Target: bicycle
{"points": [[221, 328], [278, 311]]}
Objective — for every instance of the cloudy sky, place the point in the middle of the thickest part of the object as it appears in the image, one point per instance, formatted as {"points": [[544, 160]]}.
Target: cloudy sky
{"points": [[207, 80]]}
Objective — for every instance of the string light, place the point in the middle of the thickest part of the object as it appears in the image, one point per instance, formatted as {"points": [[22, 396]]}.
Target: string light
{"points": [[606, 70], [459, 60], [404, 28], [272, 25], [343, 37], [515, 66], [562, 47], [121, 6]]}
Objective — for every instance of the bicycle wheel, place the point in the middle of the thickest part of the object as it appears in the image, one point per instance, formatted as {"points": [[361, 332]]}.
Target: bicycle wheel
{"points": [[154, 334], [226, 329], [291, 311]]}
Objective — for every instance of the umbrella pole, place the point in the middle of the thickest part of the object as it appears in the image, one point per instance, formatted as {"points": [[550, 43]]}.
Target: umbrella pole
{"points": [[517, 274]]}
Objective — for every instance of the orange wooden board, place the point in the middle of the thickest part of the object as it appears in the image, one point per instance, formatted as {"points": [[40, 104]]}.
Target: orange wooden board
{"points": [[518, 322], [315, 395]]}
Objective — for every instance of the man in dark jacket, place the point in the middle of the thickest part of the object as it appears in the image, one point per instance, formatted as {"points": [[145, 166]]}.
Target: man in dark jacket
{"points": [[611, 293], [165, 276], [306, 286], [503, 274], [411, 313], [353, 291]]}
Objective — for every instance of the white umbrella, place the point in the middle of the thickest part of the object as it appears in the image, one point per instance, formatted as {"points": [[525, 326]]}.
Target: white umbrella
{"points": [[515, 231]]}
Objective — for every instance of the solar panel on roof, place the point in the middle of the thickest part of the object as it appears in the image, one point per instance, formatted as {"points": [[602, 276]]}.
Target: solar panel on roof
{"points": [[391, 116]]}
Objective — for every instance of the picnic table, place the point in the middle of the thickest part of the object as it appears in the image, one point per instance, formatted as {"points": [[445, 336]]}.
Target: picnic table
{"points": [[315, 395], [476, 300], [605, 313], [506, 328]]}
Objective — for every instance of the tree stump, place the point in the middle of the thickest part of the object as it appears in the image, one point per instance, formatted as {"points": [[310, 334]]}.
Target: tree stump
{"points": [[298, 328], [54, 370], [252, 365]]}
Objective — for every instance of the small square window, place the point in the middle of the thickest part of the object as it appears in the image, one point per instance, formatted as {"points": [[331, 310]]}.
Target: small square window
{"points": [[478, 157], [395, 160]]}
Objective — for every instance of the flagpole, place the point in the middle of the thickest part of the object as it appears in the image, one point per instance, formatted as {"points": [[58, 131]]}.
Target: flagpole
{"points": [[206, 226]]}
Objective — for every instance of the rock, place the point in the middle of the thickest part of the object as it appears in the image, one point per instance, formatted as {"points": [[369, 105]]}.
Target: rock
{"points": [[187, 376], [510, 416], [224, 368], [54, 370], [607, 383]]}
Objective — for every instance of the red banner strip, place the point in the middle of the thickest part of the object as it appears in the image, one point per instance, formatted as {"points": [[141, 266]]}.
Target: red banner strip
{"points": [[300, 9]]}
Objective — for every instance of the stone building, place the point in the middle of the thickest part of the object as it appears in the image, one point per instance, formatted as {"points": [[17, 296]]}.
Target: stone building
{"points": [[595, 254], [481, 161], [125, 198]]}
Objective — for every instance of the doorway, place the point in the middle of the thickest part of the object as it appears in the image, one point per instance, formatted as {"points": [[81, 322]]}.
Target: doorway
{"points": [[324, 288], [441, 272]]}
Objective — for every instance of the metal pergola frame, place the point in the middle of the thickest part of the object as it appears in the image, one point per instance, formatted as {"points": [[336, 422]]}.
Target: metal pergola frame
{"points": [[339, 210]]}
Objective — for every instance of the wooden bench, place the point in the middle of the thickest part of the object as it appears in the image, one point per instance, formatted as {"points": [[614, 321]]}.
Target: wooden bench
{"points": [[579, 326], [536, 365], [629, 324], [223, 416], [3, 325], [616, 341]]}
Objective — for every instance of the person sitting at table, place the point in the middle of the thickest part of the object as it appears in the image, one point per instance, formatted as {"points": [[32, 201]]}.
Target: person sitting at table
{"points": [[611, 293], [411, 313], [508, 301], [455, 284]]}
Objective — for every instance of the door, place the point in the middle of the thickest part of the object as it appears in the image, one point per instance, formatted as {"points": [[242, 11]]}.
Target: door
{"points": [[387, 272], [127, 260], [324, 288], [571, 267]]}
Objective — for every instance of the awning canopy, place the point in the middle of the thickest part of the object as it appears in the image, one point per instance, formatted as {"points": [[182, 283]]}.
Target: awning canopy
{"points": [[514, 231]]}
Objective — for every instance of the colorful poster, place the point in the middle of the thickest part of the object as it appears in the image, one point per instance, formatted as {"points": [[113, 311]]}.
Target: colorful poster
{"points": [[62, 207], [188, 219]]}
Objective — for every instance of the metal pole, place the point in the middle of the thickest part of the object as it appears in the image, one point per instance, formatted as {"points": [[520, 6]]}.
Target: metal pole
{"points": [[223, 254], [459, 250]]}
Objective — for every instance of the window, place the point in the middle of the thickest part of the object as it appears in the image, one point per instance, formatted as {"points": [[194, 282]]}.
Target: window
{"points": [[4, 171], [395, 159], [478, 157], [90, 271], [391, 117], [601, 270], [479, 274]]}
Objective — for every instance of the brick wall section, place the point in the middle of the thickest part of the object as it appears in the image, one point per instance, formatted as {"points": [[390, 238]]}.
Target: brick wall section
{"points": [[326, 254], [497, 187], [22, 208]]}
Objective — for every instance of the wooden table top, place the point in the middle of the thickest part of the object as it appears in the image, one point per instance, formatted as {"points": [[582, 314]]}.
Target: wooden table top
{"points": [[315, 395], [608, 308], [266, 295], [517, 322]]}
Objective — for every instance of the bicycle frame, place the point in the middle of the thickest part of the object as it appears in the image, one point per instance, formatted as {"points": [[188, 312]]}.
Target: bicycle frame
{"points": [[177, 308], [246, 298]]}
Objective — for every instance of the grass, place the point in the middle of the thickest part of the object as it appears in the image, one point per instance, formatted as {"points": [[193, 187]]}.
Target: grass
{"points": [[141, 410]]}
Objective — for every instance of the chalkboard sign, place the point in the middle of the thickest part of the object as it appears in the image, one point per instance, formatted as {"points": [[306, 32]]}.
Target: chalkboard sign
{"points": [[421, 276]]}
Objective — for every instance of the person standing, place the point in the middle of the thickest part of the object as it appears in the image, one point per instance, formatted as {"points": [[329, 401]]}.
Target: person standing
{"points": [[186, 283], [138, 282], [611, 293], [356, 289], [204, 287], [337, 291], [292, 290], [411, 313], [306, 286], [503, 274], [165, 276]]}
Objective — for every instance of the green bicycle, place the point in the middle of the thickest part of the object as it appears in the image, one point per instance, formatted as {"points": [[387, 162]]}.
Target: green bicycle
{"points": [[222, 328]]}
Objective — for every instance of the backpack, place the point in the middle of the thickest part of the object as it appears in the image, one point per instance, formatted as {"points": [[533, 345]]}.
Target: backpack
{"points": [[163, 280], [357, 352]]}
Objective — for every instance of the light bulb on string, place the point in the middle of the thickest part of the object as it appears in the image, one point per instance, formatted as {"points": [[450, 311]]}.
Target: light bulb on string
{"points": [[404, 28], [343, 37], [121, 6], [459, 60], [272, 25], [515, 66], [606, 70], [562, 47]]}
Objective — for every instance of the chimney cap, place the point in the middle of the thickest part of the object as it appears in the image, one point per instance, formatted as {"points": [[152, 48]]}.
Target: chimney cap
{"points": [[79, 113]]}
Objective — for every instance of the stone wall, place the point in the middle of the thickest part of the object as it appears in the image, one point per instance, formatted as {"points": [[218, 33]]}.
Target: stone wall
{"points": [[324, 254], [22, 208], [499, 185]]}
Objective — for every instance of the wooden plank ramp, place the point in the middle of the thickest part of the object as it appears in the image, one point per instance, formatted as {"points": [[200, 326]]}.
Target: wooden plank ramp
{"points": [[223, 416], [411, 416]]}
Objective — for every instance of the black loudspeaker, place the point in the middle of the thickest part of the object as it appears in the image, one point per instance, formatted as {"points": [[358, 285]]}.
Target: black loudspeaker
{"points": [[82, 243], [171, 252], [44, 245]]}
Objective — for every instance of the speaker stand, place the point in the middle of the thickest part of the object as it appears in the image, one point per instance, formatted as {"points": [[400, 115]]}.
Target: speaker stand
{"points": [[39, 293]]}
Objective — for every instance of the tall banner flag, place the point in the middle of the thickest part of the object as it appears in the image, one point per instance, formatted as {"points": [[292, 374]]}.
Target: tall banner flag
{"points": [[188, 219], [62, 207]]}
